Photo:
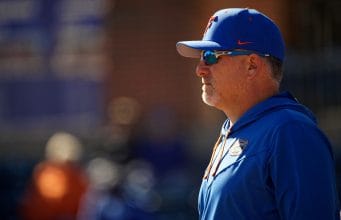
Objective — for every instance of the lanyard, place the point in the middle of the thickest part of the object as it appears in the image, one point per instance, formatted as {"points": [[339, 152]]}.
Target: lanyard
{"points": [[221, 153]]}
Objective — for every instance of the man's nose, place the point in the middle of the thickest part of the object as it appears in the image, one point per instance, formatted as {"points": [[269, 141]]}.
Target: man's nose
{"points": [[202, 69]]}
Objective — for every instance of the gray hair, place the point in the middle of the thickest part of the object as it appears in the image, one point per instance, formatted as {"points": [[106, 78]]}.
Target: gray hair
{"points": [[276, 66]]}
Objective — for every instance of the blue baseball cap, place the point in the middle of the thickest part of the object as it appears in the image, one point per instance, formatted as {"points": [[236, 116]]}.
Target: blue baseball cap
{"points": [[237, 28]]}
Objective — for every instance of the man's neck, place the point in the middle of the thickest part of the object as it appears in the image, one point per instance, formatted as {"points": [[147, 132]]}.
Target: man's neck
{"points": [[247, 103]]}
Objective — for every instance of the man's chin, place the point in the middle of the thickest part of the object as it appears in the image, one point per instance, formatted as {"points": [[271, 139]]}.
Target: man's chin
{"points": [[208, 100]]}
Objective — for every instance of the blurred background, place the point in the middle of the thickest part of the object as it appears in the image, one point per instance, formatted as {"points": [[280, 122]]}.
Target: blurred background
{"points": [[100, 118]]}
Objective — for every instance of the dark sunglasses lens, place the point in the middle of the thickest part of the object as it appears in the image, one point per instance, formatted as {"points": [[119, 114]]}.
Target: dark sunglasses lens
{"points": [[209, 57]]}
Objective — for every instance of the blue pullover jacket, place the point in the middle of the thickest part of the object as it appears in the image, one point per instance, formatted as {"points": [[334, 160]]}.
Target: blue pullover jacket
{"points": [[274, 164]]}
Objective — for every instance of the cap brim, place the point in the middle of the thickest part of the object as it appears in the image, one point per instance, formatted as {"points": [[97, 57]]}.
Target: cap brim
{"points": [[193, 49]]}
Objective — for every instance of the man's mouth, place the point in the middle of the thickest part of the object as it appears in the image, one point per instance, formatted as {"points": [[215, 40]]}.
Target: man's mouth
{"points": [[205, 86]]}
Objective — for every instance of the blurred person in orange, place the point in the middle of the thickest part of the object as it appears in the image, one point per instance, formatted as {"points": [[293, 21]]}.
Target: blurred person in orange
{"points": [[58, 183]]}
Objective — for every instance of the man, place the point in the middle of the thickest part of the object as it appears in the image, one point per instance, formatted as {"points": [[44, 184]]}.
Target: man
{"points": [[271, 161]]}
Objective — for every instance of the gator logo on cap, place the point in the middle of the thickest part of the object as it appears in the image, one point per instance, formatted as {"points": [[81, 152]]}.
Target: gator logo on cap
{"points": [[209, 24]]}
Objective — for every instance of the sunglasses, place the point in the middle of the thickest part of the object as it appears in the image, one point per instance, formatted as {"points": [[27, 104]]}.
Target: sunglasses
{"points": [[211, 57]]}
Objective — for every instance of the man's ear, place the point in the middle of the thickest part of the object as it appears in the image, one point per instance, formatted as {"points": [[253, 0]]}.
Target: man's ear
{"points": [[253, 63]]}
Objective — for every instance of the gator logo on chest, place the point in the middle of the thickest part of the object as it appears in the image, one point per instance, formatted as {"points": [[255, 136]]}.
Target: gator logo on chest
{"points": [[237, 147]]}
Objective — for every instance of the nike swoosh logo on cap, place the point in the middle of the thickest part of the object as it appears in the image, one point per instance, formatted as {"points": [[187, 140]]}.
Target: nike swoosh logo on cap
{"points": [[243, 42]]}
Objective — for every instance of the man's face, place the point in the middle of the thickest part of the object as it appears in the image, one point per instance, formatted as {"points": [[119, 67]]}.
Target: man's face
{"points": [[223, 82]]}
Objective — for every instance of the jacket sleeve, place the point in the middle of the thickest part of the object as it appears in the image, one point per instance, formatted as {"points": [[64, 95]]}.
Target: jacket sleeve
{"points": [[302, 173]]}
